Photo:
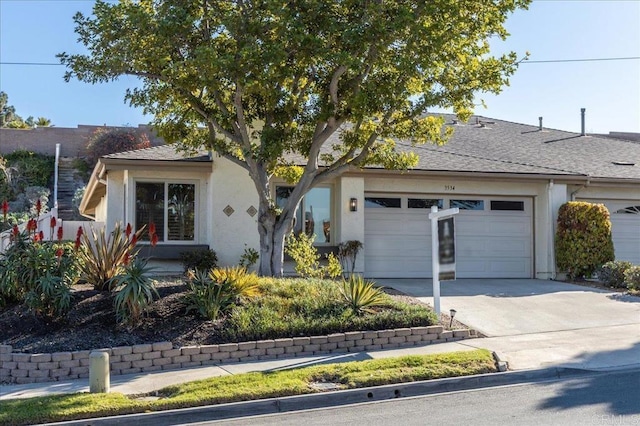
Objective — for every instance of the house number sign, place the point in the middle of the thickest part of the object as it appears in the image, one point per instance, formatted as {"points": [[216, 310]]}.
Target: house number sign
{"points": [[449, 187]]}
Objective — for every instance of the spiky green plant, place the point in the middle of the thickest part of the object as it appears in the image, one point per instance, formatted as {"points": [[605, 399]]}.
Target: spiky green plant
{"points": [[361, 296], [217, 291], [104, 257], [135, 289]]}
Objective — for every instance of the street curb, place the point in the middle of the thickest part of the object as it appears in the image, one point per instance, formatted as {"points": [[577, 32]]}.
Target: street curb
{"points": [[330, 399]]}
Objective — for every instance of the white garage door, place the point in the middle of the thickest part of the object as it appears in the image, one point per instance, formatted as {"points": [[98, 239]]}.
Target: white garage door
{"points": [[493, 236], [625, 228]]}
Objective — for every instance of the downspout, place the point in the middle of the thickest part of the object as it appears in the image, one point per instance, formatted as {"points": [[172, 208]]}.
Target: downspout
{"points": [[587, 183], [55, 177], [551, 245]]}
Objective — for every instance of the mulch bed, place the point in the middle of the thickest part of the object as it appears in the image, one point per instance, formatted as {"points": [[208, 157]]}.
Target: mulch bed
{"points": [[91, 323]]}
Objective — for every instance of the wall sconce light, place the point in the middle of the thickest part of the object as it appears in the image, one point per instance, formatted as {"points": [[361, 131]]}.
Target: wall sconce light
{"points": [[353, 204]]}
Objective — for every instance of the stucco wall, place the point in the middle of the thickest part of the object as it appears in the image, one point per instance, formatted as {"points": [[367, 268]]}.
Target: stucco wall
{"points": [[43, 140]]}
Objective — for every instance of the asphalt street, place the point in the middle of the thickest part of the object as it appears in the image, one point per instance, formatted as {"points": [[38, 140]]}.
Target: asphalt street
{"points": [[611, 398]]}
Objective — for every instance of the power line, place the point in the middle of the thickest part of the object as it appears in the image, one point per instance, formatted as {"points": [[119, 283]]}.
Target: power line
{"points": [[526, 61], [580, 60]]}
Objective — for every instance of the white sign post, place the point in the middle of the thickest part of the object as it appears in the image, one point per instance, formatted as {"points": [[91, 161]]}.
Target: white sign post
{"points": [[436, 215]]}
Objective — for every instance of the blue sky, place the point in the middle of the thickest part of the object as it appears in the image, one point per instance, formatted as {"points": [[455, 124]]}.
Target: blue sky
{"points": [[35, 30]]}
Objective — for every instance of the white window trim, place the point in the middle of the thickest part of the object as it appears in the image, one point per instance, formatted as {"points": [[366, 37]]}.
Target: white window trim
{"points": [[167, 182]]}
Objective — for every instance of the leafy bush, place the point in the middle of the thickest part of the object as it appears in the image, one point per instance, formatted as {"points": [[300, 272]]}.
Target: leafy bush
{"points": [[632, 278], [300, 248], [39, 274], [199, 260], [217, 291], [135, 291], [295, 307], [249, 257], [103, 258], [583, 238], [347, 253], [612, 273], [362, 296], [105, 141], [28, 169]]}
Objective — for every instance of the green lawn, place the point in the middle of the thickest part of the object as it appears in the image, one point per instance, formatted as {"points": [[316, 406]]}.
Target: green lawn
{"points": [[250, 386]]}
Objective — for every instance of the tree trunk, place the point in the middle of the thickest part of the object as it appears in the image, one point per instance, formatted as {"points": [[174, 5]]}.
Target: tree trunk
{"points": [[272, 230]]}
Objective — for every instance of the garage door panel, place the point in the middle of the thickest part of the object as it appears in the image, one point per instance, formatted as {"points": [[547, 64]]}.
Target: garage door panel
{"points": [[488, 243]]}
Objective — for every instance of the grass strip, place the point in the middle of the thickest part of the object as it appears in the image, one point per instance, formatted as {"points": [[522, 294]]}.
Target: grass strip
{"points": [[249, 386]]}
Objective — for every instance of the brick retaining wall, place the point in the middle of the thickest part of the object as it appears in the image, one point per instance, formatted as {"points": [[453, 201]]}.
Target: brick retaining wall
{"points": [[16, 367]]}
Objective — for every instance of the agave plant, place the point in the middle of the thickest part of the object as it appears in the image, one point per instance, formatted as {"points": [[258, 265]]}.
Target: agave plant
{"points": [[103, 257], [361, 296], [215, 292], [136, 291]]}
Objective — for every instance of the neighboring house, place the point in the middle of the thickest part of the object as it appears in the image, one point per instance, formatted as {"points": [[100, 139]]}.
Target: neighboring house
{"points": [[507, 179]]}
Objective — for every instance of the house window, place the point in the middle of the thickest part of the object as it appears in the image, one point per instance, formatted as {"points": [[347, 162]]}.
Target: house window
{"points": [[467, 204], [507, 205], [170, 206], [381, 202], [424, 203], [314, 212]]}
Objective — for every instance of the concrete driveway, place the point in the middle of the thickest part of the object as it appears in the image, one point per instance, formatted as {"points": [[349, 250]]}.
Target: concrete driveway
{"points": [[535, 323]]}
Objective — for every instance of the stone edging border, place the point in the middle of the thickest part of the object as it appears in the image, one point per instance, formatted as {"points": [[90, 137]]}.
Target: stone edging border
{"points": [[21, 368]]}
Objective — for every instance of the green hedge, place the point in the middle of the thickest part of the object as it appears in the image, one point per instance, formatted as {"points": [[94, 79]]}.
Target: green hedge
{"points": [[583, 238]]}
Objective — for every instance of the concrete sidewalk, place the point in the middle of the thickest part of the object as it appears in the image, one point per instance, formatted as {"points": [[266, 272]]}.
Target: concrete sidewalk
{"points": [[523, 353]]}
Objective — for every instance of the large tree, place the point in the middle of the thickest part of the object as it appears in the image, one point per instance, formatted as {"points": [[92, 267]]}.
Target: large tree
{"points": [[259, 81]]}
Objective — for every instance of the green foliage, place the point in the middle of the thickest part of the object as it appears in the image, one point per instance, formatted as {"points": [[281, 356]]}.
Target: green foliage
{"points": [[249, 257], [583, 238], [39, 274], [103, 258], [22, 169], [135, 291], [301, 249], [201, 260], [613, 273], [632, 278], [215, 292], [105, 141], [347, 253], [365, 71], [296, 307], [362, 296]]}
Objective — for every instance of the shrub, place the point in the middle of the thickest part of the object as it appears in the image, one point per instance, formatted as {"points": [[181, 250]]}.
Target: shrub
{"points": [[583, 238], [105, 141], [135, 291], [217, 291], [347, 253], [612, 273], [249, 257], [29, 169], [39, 274], [199, 260], [300, 248], [362, 296], [632, 278], [103, 258]]}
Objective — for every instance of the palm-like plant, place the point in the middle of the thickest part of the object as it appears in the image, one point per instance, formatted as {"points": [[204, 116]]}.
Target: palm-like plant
{"points": [[136, 290], [102, 258], [361, 296]]}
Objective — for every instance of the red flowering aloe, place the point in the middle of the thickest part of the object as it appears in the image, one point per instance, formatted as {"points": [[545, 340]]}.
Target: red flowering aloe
{"points": [[154, 240], [38, 207], [128, 230], [60, 233], [152, 229], [5, 210]]}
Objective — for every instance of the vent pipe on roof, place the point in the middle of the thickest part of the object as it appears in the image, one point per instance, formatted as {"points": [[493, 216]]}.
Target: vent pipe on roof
{"points": [[582, 131], [540, 125]]}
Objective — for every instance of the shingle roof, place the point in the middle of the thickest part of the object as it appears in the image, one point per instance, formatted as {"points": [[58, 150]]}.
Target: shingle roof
{"points": [[490, 145], [487, 145], [160, 153]]}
